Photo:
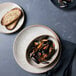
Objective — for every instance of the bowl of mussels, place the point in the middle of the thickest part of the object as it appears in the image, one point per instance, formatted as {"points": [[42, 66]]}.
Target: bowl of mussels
{"points": [[42, 51], [65, 4]]}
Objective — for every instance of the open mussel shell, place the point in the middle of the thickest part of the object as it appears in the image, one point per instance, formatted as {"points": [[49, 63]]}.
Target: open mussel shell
{"points": [[34, 59], [45, 62]]}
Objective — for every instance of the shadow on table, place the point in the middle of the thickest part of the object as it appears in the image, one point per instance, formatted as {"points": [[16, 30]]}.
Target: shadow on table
{"points": [[64, 66]]}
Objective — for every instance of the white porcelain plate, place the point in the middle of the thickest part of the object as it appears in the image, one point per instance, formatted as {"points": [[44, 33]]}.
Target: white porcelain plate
{"points": [[4, 8], [22, 42]]}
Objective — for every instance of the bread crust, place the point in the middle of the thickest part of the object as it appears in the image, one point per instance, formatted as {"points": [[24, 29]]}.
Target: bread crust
{"points": [[11, 16], [12, 25]]}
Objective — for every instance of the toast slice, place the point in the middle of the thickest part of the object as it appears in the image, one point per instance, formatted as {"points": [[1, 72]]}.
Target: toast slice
{"points": [[11, 16], [12, 25]]}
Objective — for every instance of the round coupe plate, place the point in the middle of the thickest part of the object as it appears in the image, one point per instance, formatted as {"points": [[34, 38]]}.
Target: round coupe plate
{"points": [[4, 8], [22, 42]]}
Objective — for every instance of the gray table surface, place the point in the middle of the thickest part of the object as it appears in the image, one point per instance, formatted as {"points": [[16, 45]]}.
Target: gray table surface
{"points": [[37, 12]]}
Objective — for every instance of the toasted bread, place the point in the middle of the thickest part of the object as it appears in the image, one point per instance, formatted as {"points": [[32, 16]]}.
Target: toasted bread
{"points": [[12, 25], [11, 16]]}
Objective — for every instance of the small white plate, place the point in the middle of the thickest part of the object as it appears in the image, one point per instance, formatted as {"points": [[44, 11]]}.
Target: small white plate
{"points": [[22, 42], [4, 8]]}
